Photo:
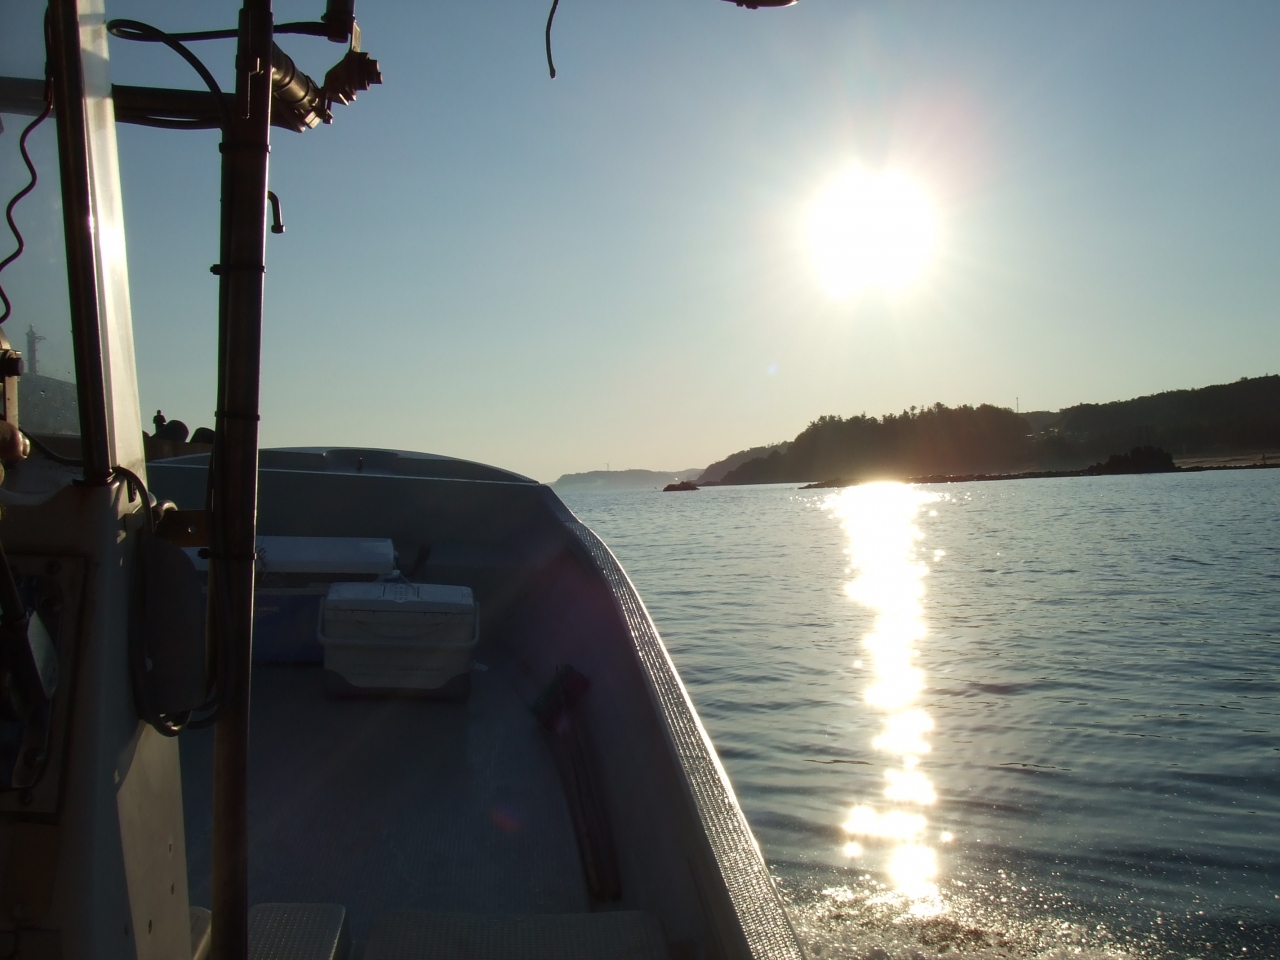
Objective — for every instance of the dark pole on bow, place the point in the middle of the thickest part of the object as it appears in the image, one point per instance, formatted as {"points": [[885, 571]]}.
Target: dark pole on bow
{"points": [[245, 150]]}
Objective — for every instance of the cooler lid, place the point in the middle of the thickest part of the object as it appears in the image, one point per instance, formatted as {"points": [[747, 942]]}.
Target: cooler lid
{"points": [[374, 555], [401, 597], [333, 555]]}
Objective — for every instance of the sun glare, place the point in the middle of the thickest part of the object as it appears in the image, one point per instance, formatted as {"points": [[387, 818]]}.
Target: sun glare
{"points": [[871, 231], [880, 522]]}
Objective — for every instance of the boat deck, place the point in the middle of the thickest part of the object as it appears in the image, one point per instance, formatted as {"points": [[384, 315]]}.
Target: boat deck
{"points": [[385, 804]]}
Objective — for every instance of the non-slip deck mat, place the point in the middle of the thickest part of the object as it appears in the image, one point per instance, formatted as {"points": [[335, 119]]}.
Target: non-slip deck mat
{"points": [[298, 931], [385, 804], [415, 935]]}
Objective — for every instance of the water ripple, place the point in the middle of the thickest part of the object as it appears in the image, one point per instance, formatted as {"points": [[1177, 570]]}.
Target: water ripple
{"points": [[1103, 673]]}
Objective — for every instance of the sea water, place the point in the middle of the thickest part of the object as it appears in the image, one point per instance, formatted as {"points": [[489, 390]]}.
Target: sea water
{"points": [[1079, 679]]}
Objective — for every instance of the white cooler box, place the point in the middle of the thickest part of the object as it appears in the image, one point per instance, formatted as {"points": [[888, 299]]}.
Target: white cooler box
{"points": [[398, 638]]}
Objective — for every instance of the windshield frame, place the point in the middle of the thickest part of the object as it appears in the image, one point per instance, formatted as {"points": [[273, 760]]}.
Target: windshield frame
{"points": [[93, 219]]}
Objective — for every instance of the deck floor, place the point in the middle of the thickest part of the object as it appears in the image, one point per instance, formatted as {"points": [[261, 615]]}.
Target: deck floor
{"points": [[389, 804]]}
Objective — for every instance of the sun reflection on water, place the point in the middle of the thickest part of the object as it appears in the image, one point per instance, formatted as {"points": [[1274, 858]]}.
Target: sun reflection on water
{"points": [[879, 520]]}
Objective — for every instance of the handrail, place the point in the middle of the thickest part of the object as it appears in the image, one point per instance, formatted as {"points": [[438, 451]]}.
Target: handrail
{"points": [[245, 152]]}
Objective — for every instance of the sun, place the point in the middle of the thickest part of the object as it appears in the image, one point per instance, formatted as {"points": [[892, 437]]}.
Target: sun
{"points": [[871, 230]]}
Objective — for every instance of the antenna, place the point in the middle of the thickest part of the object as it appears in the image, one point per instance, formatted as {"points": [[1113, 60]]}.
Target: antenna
{"points": [[33, 341]]}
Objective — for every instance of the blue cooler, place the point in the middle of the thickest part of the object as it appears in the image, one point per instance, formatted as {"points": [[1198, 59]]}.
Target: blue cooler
{"points": [[293, 576]]}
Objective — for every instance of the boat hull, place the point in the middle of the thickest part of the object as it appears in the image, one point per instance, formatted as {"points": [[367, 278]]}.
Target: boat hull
{"points": [[659, 810]]}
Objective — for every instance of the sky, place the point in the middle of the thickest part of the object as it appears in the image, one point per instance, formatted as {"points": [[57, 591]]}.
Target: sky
{"points": [[610, 268]]}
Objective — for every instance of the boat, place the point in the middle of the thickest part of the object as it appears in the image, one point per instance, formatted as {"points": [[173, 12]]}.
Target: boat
{"points": [[174, 787]]}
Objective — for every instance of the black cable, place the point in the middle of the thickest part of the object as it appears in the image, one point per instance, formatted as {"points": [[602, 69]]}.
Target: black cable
{"points": [[196, 35], [551, 16], [169, 725], [172, 725], [223, 681], [49, 454], [312, 28], [220, 693], [145, 33], [31, 185]]}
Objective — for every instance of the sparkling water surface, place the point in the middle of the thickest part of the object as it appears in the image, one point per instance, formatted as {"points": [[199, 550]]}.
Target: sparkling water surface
{"points": [[1100, 672]]}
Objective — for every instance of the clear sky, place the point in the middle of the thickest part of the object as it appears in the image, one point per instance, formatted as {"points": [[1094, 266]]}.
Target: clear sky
{"points": [[610, 268]]}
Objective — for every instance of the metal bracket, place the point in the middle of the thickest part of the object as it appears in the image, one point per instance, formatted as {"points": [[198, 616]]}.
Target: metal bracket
{"points": [[184, 528], [10, 370]]}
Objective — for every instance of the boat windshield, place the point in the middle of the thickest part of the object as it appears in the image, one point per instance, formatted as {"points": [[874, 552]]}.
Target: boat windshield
{"points": [[39, 324]]}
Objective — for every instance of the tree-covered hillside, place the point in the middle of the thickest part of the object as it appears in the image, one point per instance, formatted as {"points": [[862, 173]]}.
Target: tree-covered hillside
{"points": [[718, 470], [935, 439], [1222, 419], [1241, 417]]}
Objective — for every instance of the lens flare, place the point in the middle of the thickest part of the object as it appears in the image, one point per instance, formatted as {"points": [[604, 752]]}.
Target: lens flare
{"points": [[871, 230], [880, 522]]}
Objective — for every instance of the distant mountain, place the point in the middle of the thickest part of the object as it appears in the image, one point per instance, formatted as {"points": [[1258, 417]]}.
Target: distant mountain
{"points": [[1226, 419], [717, 470], [624, 479]]}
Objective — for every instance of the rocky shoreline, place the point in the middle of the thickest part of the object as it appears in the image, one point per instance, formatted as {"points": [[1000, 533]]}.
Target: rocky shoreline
{"points": [[838, 482]]}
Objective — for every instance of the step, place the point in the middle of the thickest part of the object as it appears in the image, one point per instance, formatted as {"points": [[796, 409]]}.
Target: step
{"points": [[612, 935], [298, 931]]}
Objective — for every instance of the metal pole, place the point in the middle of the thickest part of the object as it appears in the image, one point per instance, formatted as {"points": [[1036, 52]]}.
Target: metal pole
{"points": [[245, 150]]}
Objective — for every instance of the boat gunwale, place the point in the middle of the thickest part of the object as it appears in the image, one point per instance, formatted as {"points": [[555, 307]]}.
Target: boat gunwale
{"points": [[763, 925]]}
